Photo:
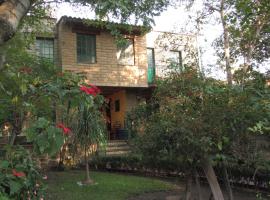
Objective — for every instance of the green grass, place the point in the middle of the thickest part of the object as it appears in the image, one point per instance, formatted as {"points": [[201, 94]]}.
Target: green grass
{"points": [[63, 186]]}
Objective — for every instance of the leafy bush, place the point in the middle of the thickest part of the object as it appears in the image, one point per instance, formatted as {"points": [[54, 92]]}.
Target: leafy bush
{"points": [[45, 136], [19, 175]]}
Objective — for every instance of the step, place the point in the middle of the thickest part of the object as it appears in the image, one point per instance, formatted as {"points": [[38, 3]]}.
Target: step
{"points": [[117, 153], [116, 142], [118, 148]]}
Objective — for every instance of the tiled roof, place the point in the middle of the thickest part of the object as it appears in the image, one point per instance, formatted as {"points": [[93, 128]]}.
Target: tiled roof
{"points": [[103, 25]]}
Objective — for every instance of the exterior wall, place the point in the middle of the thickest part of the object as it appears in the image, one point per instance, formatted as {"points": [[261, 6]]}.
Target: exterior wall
{"points": [[106, 71], [164, 42]]}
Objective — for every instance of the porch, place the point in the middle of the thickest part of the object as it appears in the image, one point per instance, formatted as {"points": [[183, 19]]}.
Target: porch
{"points": [[119, 101]]}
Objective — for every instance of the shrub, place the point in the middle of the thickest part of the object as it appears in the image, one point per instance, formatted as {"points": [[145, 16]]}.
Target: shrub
{"points": [[19, 175]]}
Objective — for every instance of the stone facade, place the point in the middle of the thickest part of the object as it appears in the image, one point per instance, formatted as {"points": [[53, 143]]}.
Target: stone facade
{"points": [[164, 43]]}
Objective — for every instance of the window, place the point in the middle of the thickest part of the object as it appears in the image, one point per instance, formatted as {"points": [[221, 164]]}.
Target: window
{"points": [[117, 105], [44, 48], [151, 65], [175, 57], [151, 57], [125, 54], [86, 48]]}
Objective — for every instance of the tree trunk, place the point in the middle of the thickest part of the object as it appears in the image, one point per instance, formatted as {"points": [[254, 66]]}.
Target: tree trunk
{"points": [[212, 179], [11, 13], [88, 179], [226, 44], [227, 182], [198, 185]]}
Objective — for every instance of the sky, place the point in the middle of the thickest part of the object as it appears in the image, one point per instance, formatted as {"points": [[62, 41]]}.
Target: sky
{"points": [[173, 20]]}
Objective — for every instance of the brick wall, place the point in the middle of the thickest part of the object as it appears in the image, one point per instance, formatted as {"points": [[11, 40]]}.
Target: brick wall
{"points": [[106, 71]]}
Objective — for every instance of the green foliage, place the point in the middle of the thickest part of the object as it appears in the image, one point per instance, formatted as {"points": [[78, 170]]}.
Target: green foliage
{"points": [[45, 136], [22, 81], [125, 11], [249, 28], [191, 118], [19, 177]]}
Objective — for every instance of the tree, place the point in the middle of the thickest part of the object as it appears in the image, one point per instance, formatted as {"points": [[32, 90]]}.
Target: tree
{"points": [[200, 123], [249, 28], [13, 11], [90, 125], [22, 86]]}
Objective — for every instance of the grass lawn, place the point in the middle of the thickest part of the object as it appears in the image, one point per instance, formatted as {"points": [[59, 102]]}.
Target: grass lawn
{"points": [[110, 186]]}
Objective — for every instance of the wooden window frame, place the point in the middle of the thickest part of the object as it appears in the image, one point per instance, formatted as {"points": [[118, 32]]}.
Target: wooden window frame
{"points": [[43, 39], [79, 59]]}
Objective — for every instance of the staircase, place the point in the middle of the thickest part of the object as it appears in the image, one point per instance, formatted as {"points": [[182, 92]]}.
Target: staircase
{"points": [[117, 148]]}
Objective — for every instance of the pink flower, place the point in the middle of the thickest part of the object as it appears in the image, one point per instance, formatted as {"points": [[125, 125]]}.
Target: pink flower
{"points": [[66, 130]]}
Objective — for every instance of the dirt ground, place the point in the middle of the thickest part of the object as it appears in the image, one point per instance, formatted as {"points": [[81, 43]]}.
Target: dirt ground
{"points": [[178, 194]]}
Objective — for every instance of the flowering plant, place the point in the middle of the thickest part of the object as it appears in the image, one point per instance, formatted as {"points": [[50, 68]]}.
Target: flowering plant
{"points": [[66, 130], [19, 175], [46, 137], [91, 89]]}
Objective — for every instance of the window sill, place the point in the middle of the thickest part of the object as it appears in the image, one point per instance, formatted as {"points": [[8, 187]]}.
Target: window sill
{"points": [[85, 64], [125, 64]]}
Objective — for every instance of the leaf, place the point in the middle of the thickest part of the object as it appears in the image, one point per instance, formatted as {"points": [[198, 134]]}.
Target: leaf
{"points": [[23, 88], [219, 145], [15, 187], [42, 122], [42, 142], [59, 140], [4, 164]]}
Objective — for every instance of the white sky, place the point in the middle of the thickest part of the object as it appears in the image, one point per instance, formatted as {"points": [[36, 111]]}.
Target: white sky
{"points": [[173, 20]]}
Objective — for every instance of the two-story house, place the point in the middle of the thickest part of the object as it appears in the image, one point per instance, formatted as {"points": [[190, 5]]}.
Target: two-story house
{"points": [[124, 74], [120, 72]]}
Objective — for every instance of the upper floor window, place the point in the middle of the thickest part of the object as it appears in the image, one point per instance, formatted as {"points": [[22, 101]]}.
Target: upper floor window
{"points": [[151, 57], [125, 53], [44, 47], [175, 57], [86, 48]]}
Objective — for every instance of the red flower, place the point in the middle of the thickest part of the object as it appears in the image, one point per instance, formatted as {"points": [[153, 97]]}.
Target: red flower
{"points": [[18, 174], [97, 90], [66, 130], [92, 90]]}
